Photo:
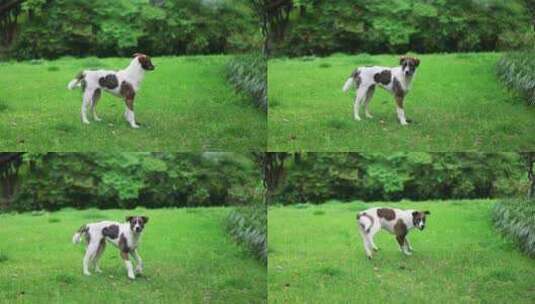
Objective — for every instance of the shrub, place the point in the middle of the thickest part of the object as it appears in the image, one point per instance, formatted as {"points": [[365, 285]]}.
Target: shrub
{"points": [[248, 227], [248, 74], [517, 71], [516, 220]]}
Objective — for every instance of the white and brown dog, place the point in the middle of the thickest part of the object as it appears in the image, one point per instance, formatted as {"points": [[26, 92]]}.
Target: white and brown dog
{"points": [[124, 83], [395, 221], [125, 236], [395, 80]]}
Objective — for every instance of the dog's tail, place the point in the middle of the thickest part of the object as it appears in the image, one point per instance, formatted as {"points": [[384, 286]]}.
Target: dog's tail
{"points": [[350, 81], [76, 81], [83, 230], [365, 221], [353, 79]]}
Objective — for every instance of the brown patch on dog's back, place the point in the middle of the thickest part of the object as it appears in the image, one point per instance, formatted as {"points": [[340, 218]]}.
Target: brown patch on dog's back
{"points": [[111, 231], [386, 213], [110, 81], [384, 77]]}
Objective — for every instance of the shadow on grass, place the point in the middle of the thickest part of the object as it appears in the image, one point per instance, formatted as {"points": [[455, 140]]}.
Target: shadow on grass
{"points": [[52, 69], [3, 106], [64, 127], [330, 271], [338, 123], [3, 257]]}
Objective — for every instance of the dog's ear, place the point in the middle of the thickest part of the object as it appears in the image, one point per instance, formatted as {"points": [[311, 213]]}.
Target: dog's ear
{"points": [[137, 55], [427, 212], [129, 218], [145, 219], [414, 214], [402, 59], [417, 61]]}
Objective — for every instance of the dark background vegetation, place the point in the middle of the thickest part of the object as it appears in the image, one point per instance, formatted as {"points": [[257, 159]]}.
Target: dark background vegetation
{"points": [[322, 27], [319, 177], [53, 28], [52, 181]]}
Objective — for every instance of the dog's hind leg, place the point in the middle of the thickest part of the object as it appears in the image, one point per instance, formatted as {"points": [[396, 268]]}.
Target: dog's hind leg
{"points": [[94, 101], [86, 101], [139, 262], [369, 95], [361, 92], [100, 250], [90, 253]]}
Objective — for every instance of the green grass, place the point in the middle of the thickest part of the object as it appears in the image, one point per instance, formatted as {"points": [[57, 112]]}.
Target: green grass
{"points": [[184, 105], [318, 257], [187, 255], [456, 103]]}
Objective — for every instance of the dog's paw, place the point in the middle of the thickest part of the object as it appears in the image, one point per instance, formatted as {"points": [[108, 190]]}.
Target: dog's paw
{"points": [[87, 273], [85, 122], [139, 270], [98, 119], [375, 249], [369, 116], [98, 270]]}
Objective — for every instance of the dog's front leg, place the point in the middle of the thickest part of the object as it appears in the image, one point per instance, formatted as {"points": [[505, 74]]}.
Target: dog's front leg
{"points": [[408, 244], [128, 264], [139, 262], [129, 113], [402, 244], [400, 111]]}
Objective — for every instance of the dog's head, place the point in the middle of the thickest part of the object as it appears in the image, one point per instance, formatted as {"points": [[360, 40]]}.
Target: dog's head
{"points": [[137, 223], [418, 219], [144, 61], [408, 65]]}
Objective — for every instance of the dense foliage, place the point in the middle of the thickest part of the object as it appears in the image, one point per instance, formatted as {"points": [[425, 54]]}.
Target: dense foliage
{"points": [[322, 26], [79, 27], [317, 177], [248, 74], [517, 71], [124, 180], [516, 220]]}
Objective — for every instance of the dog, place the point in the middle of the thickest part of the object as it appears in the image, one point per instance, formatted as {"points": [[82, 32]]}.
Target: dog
{"points": [[395, 80], [395, 221], [124, 83], [125, 236]]}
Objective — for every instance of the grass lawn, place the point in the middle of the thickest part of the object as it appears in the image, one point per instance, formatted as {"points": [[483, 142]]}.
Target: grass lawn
{"points": [[317, 256], [456, 104], [187, 255], [184, 105]]}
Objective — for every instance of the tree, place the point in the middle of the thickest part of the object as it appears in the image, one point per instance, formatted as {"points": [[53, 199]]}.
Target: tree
{"points": [[274, 16], [9, 165]]}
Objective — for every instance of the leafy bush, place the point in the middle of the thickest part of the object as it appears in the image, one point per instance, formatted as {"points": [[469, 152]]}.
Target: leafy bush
{"points": [[248, 227], [516, 220], [317, 177], [248, 74], [517, 71], [125, 180]]}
